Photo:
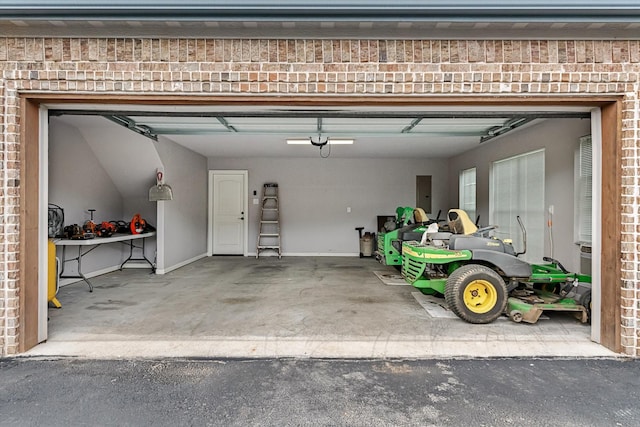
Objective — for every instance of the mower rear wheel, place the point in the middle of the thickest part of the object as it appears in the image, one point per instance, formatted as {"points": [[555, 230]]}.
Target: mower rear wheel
{"points": [[476, 293]]}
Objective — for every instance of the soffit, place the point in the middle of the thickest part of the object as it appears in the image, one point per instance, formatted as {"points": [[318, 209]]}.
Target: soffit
{"points": [[405, 30], [534, 19]]}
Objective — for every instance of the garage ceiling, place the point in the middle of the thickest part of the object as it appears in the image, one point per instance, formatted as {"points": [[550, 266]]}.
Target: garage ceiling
{"points": [[263, 133]]}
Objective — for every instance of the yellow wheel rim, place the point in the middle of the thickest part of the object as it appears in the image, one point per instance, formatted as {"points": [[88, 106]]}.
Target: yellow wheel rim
{"points": [[480, 296]]}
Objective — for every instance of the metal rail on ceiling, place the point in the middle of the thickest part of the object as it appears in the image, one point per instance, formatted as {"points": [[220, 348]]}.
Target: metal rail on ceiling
{"points": [[129, 120], [349, 114]]}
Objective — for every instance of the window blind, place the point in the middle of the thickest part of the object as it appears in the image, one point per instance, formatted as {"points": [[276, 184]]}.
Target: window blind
{"points": [[517, 189], [582, 206], [467, 192]]}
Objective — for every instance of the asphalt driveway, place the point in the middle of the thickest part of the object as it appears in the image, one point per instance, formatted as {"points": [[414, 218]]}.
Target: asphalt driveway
{"points": [[308, 392]]}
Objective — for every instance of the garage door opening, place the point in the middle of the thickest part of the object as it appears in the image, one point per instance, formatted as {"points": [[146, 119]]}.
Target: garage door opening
{"points": [[323, 200]]}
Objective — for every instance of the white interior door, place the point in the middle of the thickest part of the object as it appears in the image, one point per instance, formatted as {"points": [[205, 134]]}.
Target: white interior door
{"points": [[229, 213]]}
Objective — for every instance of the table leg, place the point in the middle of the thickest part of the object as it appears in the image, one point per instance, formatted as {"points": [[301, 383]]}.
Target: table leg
{"points": [[79, 263], [80, 269], [144, 256]]}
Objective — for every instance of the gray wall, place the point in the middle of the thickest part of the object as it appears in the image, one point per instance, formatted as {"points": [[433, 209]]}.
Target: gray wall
{"points": [[131, 161], [315, 194], [111, 169], [77, 182], [185, 217], [559, 138]]}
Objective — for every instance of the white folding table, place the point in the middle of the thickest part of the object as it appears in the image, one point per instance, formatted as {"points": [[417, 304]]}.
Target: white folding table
{"points": [[91, 244]]}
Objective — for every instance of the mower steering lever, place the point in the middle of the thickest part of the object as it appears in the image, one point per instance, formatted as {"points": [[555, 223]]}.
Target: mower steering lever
{"points": [[556, 262]]}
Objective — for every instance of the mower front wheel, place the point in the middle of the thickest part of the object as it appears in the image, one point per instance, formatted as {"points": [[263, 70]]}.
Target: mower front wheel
{"points": [[476, 293]]}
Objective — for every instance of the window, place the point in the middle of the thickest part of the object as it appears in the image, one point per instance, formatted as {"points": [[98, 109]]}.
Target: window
{"points": [[583, 192], [467, 192], [517, 189]]}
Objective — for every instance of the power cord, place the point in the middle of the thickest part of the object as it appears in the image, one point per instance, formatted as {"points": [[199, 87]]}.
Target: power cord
{"points": [[328, 152]]}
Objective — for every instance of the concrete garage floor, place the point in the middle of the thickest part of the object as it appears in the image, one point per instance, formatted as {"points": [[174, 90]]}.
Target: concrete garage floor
{"points": [[294, 307]]}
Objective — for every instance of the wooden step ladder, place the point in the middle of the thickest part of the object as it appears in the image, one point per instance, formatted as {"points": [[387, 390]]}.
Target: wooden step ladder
{"points": [[269, 232]]}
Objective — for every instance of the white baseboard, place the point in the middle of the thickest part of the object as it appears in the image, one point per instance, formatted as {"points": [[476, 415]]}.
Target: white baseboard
{"points": [[180, 264], [136, 264], [349, 254], [65, 282]]}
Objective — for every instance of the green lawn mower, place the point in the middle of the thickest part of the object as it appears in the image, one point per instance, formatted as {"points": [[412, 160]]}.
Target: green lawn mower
{"points": [[410, 224], [482, 277]]}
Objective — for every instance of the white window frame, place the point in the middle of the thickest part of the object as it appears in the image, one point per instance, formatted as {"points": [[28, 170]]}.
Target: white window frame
{"points": [[583, 194]]}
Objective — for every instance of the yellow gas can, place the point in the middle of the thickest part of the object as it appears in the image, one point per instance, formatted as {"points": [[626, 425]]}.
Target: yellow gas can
{"points": [[52, 275]]}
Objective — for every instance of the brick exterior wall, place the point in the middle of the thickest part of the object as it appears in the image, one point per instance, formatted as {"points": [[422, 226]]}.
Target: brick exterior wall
{"points": [[323, 67]]}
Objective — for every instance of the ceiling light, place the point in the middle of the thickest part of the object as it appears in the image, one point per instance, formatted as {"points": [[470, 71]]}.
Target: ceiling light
{"points": [[299, 141], [339, 141], [332, 141]]}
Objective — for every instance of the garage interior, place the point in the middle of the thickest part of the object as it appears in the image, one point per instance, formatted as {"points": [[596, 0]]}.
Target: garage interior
{"points": [[320, 299]]}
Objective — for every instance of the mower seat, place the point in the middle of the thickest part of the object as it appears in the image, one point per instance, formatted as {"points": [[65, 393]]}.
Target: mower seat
{"points": [[459, 222], [420, 216]]}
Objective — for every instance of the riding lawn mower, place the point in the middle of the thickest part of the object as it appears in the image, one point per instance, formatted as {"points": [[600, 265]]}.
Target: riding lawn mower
{"points": [[482, 277], [410, 224]]}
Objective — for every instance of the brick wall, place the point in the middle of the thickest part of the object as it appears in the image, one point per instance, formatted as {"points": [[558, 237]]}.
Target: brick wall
{"points": [[330, 67], [3, 234], [630, 225], [9, 221]]}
